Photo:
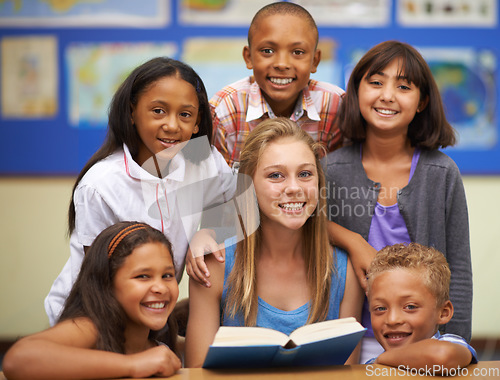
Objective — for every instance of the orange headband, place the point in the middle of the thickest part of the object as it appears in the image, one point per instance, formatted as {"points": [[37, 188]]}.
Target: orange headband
{"points": [[121, 235]]}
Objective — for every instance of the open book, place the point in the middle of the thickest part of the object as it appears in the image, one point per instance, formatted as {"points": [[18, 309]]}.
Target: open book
{"points": [[323, 343]]}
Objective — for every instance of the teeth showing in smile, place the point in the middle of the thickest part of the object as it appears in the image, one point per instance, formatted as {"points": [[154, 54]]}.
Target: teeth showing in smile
{"points": [[396, 335], [281, 81], [292, 206], [385, 112], [156, 305], [168, 141]]}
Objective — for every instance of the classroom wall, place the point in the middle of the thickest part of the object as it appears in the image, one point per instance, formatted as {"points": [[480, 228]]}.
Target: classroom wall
{"points": [[62, 61], [41, 153], [34, 248]]}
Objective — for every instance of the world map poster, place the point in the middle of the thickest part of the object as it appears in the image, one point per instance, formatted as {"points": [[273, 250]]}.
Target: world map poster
{"points": [[29, 13], [96, 70]]}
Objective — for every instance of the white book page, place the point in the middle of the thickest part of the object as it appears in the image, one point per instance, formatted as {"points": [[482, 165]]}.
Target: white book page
{"points": [[248, 336], [325, 330]]}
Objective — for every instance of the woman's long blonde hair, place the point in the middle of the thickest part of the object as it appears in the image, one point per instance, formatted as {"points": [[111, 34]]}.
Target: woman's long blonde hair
{"points": [[319, 261]]}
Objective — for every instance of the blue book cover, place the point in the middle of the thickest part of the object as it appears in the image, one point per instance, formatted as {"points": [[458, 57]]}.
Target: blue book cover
{"points": [[322, 343]]}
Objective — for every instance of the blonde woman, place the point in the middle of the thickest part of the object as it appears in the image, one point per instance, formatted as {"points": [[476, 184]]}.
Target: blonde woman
{"points": [[285, 274]]}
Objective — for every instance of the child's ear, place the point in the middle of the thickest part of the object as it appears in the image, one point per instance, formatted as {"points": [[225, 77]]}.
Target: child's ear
{"points": [[445, 313], [196, 128], [247, 57], [316, 60], [423, 103]]}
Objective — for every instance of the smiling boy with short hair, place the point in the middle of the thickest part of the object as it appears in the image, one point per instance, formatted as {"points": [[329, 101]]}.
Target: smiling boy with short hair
{"points": [[408, 293], [282, 52]]}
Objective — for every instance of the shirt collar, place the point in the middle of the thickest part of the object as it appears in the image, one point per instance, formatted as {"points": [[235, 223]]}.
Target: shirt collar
{"points": [[307, 104], [175, 173], [258, 106], [437, 335]]}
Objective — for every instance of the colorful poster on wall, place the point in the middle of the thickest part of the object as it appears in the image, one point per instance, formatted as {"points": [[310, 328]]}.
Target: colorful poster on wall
{"points": [[466, 79], [29, 77], [219, 12], [95, 71], [360, 13], [445, 13], [219, 61], [71, 13], [364, 13]]}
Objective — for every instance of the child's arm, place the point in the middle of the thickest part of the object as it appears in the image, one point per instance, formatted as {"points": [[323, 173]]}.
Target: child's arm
{"points": [[428, 354], [202, 243], [66, 351], [360, 252], [219, 131], [204, 314], [352, 305]]}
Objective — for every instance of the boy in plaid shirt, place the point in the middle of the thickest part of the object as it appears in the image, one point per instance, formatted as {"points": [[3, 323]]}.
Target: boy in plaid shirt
{"points": [[282, 52]]}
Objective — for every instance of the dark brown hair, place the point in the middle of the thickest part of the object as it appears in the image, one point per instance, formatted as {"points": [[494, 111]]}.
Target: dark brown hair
{"points": [[92, 295], [429, 129]]}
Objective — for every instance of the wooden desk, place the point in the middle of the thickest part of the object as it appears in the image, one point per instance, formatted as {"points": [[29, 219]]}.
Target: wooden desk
{"points": [[483, 370]]}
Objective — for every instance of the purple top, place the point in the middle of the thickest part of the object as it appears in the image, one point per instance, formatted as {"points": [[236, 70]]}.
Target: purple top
{"points": [[387, 228]]}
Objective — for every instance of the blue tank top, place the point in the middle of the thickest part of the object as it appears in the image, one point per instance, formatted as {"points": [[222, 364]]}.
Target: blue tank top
{"points": [[281, 320]]}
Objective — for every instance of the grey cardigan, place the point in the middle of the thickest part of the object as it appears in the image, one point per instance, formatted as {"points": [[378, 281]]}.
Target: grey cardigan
{"points": [[433, 206]]}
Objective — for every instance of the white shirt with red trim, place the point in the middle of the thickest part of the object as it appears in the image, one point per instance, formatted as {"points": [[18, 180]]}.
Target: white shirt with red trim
{"points": [[118, 189]]}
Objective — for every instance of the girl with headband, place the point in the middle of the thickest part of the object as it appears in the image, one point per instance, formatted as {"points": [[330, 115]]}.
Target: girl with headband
{"points": [[115, 317]]}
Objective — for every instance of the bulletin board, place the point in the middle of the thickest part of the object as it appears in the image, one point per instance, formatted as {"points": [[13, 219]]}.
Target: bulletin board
{"points": [[62, 61]]}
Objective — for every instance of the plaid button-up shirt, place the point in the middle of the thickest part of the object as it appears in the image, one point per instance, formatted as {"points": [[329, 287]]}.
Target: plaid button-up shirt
{"points": [[240, 106]]}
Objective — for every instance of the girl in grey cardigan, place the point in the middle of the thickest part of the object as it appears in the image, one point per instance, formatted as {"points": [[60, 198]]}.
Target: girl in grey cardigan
{"points": [[392, 184]]}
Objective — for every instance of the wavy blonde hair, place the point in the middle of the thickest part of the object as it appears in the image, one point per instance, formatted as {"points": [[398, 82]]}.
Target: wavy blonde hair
{"points": [[319, 261]]}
